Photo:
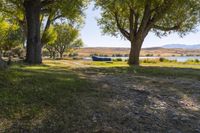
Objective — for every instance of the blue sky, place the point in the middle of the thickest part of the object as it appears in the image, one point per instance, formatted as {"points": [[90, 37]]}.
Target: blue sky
{"points": [[92, 36]]}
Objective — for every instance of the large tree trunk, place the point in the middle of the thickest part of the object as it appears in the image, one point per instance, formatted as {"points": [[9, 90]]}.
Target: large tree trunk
{"points": [[134, 56], [34, 49]]}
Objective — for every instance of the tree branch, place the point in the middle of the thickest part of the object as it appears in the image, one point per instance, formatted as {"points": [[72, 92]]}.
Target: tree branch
{"points": [[162, 10], [136, 24], [47, 2], [158, 13], [57, 17], [123, 31]]}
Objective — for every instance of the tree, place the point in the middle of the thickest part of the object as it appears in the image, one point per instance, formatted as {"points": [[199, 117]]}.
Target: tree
{"points": [[11, 37], [134, 19], [69, 11], [67, 39], [13, 11], [34, 12], [55, 9]]}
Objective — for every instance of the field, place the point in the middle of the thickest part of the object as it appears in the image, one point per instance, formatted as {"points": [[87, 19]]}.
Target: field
{"points": [[100, 97], [85, 52]]}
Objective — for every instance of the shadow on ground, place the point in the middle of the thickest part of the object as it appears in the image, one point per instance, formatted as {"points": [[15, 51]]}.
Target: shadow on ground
{"points": [[110, 100]]}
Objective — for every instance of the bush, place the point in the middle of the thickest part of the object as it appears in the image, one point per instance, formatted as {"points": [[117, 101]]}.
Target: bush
{"points": [[149, 55], [154, 61], [118, 59], [197, 61], [73, 54], [94, 54], [163, 60], [193, 61], [166, 60]]}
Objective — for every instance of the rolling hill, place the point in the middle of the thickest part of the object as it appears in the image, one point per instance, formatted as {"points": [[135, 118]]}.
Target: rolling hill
{"points": [[182, 46], [156, 51]]}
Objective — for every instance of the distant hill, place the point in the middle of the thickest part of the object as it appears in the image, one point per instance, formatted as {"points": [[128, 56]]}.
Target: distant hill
{"points": [[183, 46], [155, 51]]}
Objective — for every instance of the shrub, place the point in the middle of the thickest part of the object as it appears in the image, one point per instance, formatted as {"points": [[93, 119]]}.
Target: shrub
{"points": [[193, 61], [163, 59], [166, 60], [73, 54], [94, 54], [154, 61], [149, 55], [197, 61], [118, 59]]}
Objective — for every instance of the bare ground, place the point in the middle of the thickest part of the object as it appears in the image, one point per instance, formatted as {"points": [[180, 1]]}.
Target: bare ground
{"points": [[140, 103]]}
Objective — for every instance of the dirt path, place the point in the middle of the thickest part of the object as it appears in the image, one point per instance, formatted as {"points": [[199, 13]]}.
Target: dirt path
{"points": [[131, 103]]}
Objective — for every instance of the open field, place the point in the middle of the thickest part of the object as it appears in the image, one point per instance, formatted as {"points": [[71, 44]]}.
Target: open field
{"points": [[86, 97], [146, 51]]}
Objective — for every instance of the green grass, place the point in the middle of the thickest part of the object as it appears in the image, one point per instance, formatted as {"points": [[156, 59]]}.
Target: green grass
{"points": [[155, 69], [34, 96], [55, 97]]}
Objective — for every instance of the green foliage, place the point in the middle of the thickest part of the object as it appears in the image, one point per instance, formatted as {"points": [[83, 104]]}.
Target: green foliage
{"points": [[3, 31], [67, 39], [152, 61], [162, 59], [156, 61], [149, 55], [192, 61], [72, 11], [117, 59], [10, 35], [65, 10], [166, 16], [134, 19], [50, 36]]}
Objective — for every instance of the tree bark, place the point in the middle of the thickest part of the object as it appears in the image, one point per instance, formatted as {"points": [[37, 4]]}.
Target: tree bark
{"points": [[134, 56], [33, 48]]}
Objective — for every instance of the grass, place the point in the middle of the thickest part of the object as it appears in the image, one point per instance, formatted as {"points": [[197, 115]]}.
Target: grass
{"points": [[33, 96], [156, 68], [55, 97]]}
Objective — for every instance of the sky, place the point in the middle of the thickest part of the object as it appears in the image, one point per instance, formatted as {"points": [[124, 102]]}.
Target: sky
{"points": [[92, 36]]}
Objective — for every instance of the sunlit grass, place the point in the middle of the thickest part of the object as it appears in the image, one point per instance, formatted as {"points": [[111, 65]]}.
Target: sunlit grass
{"points": [[150, 63], [176, 69]]}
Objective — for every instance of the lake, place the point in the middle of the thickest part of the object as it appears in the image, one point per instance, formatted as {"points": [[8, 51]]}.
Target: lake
{"points": [[178, 58]]}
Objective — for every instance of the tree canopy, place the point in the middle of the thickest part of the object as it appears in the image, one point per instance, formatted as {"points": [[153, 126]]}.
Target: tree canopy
{"points": [[67, 38], [38, 15], [134, 19]]}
